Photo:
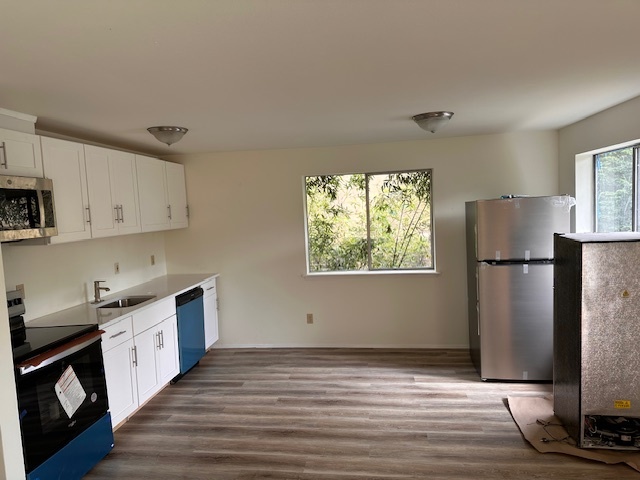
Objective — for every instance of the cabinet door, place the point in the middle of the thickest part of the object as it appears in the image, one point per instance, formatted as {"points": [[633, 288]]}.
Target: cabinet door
{"points": [[63, 163], [20, 154], [146, 344], [152, 189], [121, 381], [177, 195], [167, 355], [210, 302], [123, 175], [102, 199]]}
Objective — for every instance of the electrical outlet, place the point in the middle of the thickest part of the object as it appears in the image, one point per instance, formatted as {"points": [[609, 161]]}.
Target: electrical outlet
{"points": [[116, 267], [21, 289], [309, 318], [153, 259]]}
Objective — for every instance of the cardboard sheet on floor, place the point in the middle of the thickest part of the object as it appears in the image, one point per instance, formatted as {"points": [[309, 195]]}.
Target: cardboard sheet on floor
{"points": [[534, 416]]}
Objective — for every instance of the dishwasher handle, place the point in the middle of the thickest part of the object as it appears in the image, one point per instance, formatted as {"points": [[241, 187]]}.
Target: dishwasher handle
{"points": [[189, 296]]}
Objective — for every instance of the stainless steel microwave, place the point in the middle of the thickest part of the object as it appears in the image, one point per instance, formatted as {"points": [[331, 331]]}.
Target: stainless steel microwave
{"points": [[26, 208]]}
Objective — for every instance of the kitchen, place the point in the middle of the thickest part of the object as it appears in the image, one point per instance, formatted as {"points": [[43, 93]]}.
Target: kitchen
{"points": [[258, 246]]}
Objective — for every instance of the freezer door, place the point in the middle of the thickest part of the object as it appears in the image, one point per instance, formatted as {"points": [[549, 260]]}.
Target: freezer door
{"points": [[520, 228], [516, 321]]}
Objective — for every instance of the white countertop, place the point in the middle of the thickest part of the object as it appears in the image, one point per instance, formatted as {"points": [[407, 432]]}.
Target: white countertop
{"points": [[87, 313]]}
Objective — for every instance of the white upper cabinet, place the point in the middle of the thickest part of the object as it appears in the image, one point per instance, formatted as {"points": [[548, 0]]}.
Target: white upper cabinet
{"points": [[177, 195], [63, 163], [152, 188], [163, 194], [124, 173], [20, 154], [113, 192]]}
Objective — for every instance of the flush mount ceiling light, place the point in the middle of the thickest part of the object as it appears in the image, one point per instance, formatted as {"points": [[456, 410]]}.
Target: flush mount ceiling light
{"points": [[168, 135], [432, 121]]}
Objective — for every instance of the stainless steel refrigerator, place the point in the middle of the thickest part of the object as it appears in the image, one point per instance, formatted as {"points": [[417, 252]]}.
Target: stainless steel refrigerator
{"points": [[510, 284]]}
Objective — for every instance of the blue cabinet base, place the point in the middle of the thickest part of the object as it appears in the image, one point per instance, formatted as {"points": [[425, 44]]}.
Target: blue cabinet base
{"points": [[80, 455]]}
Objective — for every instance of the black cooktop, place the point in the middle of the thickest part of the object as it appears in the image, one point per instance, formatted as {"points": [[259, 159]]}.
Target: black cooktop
{"points": [[41, 339]]}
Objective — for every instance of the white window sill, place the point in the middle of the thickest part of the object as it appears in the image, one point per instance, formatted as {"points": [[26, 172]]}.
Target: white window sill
{"points": [[371, 272]]}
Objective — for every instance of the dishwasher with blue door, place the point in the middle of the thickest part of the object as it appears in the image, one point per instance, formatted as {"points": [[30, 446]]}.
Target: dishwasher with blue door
{"points": [[190, 313]]}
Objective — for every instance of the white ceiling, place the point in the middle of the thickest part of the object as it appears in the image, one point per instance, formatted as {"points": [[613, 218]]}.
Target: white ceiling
{"points": [[261, 74]]}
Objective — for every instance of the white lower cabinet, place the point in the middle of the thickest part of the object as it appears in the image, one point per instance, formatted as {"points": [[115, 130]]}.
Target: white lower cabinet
{"points": [[210, 301], [157, 358], [168, 356], [118, 353], [121, 381], [145, 363], [140, 357]]}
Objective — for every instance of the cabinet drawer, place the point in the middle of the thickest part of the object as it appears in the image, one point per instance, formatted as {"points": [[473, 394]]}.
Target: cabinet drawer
{"points": [[153, 314], [117, 333], [209, 287]]}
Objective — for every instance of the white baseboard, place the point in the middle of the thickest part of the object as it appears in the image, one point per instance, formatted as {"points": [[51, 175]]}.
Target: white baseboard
{"points": [[390, 346]]}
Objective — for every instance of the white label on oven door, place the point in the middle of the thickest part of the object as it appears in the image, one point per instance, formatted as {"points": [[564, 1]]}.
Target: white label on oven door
{"points": [[70, 392]]}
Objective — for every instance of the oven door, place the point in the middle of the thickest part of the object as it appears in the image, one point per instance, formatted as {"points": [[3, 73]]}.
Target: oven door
{"points": [[60, 394]]}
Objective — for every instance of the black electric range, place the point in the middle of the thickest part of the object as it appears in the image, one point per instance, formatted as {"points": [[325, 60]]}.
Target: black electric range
{"points": [[27, 342], [40, 339]]}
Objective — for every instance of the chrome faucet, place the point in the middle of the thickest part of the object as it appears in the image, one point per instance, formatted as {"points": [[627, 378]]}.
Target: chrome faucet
{"points": [[96, 290]]}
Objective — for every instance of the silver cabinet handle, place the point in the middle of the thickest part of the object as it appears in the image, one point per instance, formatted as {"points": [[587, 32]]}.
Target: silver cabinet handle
{"points": [[210, 288], [169, 208], [134, 352], [118, 334], [162, 337], [4, 162], [119, 214], [88, 209], [187, 211], [157, 335]]}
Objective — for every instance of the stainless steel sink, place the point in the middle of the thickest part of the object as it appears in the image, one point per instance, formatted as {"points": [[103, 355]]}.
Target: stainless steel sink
{"points": [[125, 302]]}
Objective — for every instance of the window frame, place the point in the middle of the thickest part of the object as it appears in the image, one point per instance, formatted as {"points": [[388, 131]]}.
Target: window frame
{"points": [[635, 188], [369, 270]]}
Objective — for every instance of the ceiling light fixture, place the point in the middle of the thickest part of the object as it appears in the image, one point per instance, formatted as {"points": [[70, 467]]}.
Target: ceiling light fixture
{"points": [[168, 135], [432, 121]]}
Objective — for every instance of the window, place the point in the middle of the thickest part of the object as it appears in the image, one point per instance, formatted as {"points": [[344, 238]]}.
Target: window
{"points": [[369, 222], [616, 190]]}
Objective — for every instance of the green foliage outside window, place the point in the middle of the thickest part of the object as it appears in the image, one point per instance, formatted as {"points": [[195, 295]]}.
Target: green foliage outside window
{"points": [[614, 190], [369, 221]]}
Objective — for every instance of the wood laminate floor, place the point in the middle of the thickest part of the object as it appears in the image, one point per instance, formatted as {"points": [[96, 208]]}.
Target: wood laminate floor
{"points": [[336, 414]]}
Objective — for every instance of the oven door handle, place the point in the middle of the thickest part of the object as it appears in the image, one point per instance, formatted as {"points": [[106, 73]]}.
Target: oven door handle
{"points": [[47, 358]]}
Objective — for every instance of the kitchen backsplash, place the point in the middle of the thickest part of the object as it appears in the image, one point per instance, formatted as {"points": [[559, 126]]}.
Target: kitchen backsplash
{"points": [[56, 277]]}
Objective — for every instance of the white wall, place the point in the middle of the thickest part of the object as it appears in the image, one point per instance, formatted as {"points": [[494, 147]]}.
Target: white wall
{"points": [[247, 224], [61, 276], [11, 459], [614, 126]]}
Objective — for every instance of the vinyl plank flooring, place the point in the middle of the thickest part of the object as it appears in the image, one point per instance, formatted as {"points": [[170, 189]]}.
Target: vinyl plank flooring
{"points": [[336, 414]]}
